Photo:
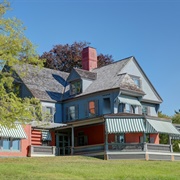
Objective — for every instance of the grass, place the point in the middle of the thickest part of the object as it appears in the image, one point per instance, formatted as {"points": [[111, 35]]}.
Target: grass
{"points": [[79, 167]]}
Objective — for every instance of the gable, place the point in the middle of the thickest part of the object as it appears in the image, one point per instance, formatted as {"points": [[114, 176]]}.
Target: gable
{"points": [[73, 76], [133, 68]]}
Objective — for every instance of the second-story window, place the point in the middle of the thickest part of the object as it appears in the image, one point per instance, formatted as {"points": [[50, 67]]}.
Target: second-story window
{"points": [[48, 113], [75, 87], [146, 110], [129, 108], [72, 112], [92, 108]]}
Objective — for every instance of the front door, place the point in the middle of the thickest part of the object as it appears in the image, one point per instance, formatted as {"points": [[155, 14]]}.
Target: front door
{"points": [[64, 144]]}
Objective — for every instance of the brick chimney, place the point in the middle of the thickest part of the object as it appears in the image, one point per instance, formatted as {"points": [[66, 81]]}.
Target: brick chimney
{"points": [[89, 58]]}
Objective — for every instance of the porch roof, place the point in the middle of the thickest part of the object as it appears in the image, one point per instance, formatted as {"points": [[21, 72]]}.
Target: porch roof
{"points": [[17, 132], [160, 126], [46, 125], [122, 125]]}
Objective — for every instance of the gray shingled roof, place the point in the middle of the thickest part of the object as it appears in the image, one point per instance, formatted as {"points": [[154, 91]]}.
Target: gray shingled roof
{"points": [[86, 74], [109, 77], [44, 84]]}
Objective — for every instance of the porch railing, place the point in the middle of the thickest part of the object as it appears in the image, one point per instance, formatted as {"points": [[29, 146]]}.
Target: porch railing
{"points": [[126, 146], [134, 147], [88, 149], [159, 147], [42, 151]]}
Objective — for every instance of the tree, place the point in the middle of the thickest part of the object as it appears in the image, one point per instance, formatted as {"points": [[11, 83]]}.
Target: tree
{"points": [[176, 118], [15, 49], [65, 57], [177, 112], [164, 138]]}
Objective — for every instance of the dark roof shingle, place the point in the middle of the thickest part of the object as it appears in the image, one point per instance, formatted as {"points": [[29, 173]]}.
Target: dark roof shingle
{"points": [[44, 84]]}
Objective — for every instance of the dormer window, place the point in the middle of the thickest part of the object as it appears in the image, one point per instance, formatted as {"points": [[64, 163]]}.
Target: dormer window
{"points": [[75, 87], [136, 80]]}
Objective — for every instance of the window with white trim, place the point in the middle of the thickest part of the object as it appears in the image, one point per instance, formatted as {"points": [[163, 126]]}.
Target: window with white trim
{"points": [[92, 108], [145, 110], [48, 113], [129, 108], [137, 81], [75, 87], [119, 138], [10, 144], [72, 112]]}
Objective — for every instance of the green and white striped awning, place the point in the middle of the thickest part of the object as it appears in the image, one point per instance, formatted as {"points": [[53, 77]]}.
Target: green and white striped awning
{"points": [[17, 132], [129, 100], [160, 126], [124, 125]]}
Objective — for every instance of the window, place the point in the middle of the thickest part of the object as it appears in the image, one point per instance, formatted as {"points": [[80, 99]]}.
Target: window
{"points": [[82, 139], [119, 138], [10, 144], [15, 144], [92, 108], [72, 112], [136, 80], [75, 87], [6, 144], [49, 110], [129, 108], [48, 113], [106, 106], [146, 110]]}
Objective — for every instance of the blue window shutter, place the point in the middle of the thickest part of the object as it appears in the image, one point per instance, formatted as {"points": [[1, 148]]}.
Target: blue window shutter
{"points": [[67, 116], [86, 106], [76, 111], [97, 107]]}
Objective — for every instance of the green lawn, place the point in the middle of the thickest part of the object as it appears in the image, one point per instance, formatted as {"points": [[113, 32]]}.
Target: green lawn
{"points": [[79, 167]]}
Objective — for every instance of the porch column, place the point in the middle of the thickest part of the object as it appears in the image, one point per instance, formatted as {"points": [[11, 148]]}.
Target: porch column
{"points": [[72, 140], [57, 144], [144, 141], [106, 141], [170, 138]]}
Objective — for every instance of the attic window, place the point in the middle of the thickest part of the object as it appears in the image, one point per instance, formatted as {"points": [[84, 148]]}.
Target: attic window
{"points": [[136, 80], [75, 87]]}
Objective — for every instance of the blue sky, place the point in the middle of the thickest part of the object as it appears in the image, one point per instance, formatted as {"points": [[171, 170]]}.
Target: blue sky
{"points": [[146, 29]]}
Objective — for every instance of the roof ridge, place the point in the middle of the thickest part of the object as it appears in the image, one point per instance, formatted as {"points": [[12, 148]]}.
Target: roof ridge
{"points": [[45, 68], [124, 59]]}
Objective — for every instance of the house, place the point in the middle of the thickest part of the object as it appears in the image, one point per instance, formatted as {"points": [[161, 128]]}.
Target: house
{"points": [[108, 112]]}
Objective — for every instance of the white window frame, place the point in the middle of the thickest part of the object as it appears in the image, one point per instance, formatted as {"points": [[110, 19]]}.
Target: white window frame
{"points": [[75, 87], [70, 114], [10, 144], [137, 81]]}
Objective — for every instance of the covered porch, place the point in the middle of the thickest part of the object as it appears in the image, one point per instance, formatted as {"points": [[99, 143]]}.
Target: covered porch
{"points": [[137, 137], [117, 136]]}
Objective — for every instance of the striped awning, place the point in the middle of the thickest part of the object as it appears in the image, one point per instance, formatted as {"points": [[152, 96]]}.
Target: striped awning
{"points": [[17, 132], [162, 127], [124, 125], [129, 100], [46, 136]]}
